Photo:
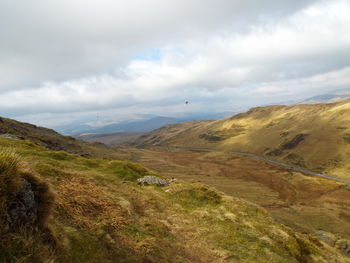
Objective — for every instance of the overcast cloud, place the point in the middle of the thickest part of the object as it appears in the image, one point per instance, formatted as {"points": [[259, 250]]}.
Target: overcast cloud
{"points": [[65, 60]]}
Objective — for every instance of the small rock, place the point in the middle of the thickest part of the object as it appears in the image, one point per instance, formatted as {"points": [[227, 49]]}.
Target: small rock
{"points": [[22, 208], [153, 180]]}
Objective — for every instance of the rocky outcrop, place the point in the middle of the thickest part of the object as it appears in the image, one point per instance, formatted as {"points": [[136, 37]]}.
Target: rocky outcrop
{"points": [[22, 208], [153, 180]]}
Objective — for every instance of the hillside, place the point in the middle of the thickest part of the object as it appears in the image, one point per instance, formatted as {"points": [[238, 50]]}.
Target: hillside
{"points": [[91, 210], [52, 140], [315, 136]]}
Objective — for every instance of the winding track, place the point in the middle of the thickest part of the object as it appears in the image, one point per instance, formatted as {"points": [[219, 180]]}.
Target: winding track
{"points": [[297, 169]]}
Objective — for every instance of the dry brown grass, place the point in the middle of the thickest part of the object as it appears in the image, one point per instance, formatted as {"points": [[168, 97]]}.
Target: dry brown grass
{"points": [[85, 205]]}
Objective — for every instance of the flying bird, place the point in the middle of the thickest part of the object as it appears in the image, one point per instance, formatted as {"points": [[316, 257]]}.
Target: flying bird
{"points": [[186, 102]]}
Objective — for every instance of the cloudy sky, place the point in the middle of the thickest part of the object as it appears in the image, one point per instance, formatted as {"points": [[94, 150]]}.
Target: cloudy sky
{"points": [[63, 60]]}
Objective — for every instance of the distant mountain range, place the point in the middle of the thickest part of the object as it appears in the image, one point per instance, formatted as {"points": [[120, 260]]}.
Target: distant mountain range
{"points": [[135, 126], [148, 122], [141, 123], [327, 98]]}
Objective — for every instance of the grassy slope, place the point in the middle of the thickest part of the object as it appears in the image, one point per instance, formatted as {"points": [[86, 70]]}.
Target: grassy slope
{"points": [[102, 215], [312, 136], [52, 140]]}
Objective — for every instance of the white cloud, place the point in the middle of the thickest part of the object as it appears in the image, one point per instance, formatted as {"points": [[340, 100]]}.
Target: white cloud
{"points": [[55, 40], [77, 56]]}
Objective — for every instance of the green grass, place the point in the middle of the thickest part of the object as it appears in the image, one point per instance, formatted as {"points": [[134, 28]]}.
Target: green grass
{"points": [[197, 196], [57, 164], [126, 170]]}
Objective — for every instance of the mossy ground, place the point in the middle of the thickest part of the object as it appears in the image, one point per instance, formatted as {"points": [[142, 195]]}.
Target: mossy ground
{"points": [[102, 215]]}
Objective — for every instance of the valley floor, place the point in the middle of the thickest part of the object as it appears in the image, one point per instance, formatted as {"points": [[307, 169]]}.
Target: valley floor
{"points": [[305, 203]]}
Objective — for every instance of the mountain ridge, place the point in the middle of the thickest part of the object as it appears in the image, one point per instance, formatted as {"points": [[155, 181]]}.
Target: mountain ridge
{"points": [[50, 139], [313, 136]]}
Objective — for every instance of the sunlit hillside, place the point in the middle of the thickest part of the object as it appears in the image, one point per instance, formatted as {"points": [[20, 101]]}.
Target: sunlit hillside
{"points": [[316, 137]]}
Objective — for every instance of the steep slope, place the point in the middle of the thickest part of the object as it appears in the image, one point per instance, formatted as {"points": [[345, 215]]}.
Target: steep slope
{"points": [[99, 214], [313, 136]]}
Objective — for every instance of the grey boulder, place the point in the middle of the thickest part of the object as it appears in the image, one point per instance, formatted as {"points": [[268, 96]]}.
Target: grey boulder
{"points": [[152, 180]]}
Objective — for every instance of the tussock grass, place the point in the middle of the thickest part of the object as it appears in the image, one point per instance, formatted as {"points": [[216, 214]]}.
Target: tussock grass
{"points": [[9, 163]]}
